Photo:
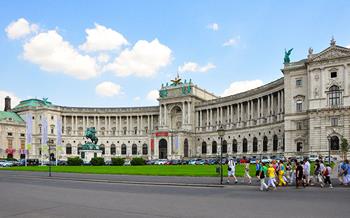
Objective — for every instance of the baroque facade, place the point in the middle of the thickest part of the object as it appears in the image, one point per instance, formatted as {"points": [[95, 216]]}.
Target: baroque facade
{"points": [[307, 110]]}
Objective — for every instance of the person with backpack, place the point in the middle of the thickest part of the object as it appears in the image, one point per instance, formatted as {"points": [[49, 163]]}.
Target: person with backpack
{"points": [[262, 176], [231, 168], [257, 169], [317, 174], [327, 175], [299, 171]]}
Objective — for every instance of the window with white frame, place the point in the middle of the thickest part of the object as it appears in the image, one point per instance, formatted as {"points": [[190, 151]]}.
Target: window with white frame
{"points": [[299, 106], [334, 96]]}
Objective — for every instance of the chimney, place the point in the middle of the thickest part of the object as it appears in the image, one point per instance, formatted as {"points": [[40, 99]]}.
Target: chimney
{"points": [[7, 103]]}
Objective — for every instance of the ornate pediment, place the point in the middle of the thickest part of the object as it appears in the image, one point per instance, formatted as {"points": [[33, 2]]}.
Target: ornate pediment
{"points": [[331, 53]]}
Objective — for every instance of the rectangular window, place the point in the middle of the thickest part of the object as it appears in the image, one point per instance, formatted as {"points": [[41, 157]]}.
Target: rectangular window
{"points": [[299, 106], [333, 74], [298, 82], [22, 135], [299, 125], [9, 134], [334, 121]]}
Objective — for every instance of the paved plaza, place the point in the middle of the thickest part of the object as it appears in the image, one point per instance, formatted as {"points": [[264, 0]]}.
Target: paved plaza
{"points": [[25, 194]]}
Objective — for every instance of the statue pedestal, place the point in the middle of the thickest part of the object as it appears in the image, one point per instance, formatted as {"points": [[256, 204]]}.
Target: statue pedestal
{"points": [[87, 155]]}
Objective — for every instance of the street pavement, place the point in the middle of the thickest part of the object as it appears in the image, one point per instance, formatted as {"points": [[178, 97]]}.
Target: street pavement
{"points": [[24, 194]]}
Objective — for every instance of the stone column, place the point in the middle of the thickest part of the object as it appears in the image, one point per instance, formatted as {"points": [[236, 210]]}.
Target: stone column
{"points": [[127, 125], [72, 126], [151, 122], [211, 118], [160, 114], [278, 105], [65, 125], [272, 107], [141, 127], [84, 124], [165, 115], [189, 112], [183, 113], [207, 126], [268, 108]]}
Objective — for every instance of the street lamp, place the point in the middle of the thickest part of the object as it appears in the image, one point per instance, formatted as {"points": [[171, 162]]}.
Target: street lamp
{"points": [[221, 133], [329, 149], [49, 143]]}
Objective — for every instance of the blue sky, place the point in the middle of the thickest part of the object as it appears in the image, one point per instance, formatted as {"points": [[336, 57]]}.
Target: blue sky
{"points": [[246, 43]]}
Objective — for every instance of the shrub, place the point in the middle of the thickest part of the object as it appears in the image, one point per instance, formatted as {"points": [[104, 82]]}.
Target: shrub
{"points": [[97, 161], [137, 161], [117, 161], [74, 161]]}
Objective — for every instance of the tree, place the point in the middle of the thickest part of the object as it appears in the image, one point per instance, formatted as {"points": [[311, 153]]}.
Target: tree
{"points": [[344, 147]]}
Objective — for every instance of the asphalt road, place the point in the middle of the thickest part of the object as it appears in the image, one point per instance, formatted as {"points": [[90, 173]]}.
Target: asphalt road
{"points": [[39, 197]]}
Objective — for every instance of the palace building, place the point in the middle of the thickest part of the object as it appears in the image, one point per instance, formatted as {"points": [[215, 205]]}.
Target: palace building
{"points": [[306, 111]]}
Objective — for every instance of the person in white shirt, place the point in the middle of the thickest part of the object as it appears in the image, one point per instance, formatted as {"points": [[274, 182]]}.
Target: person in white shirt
{"points": [[306, 171], [231, 170]]}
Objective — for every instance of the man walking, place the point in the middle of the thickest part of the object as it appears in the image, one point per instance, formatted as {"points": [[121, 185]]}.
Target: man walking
{"points": [[231, 171], [262, 176], [306, 171]]}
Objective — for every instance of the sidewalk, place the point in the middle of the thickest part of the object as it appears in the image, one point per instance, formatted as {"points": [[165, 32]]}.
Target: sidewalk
{"points": [[134, 179]]}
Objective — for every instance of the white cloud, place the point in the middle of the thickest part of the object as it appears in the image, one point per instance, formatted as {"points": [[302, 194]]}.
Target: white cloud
{"points": [[232, 41], [14, 99], [101, 38], [108, 89], [213, 26], [20, 28], [241, 86], [143, 60], [103, 58], [194, 67], [137, 98], [53, 54], [153, 95], [348, 46]]}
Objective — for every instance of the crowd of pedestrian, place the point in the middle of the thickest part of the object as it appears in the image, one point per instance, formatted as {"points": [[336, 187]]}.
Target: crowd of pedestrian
{"points": [[292, 172]]}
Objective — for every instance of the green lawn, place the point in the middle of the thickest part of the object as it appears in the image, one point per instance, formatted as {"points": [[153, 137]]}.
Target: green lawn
{"points": [[151, 170]]}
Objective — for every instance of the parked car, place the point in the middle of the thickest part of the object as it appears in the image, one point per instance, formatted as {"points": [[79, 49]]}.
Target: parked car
{"points": [[6, 164], [252, 160], [175, 162], [62, 163], [192, 162], [160, 162], [32, 162], [150, 162], [265, 159], [313, 157], [200, 162]]}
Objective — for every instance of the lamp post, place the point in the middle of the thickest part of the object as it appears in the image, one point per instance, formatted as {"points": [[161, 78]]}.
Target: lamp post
{"points": [[49, 143], [329, 149], [221, 133]]}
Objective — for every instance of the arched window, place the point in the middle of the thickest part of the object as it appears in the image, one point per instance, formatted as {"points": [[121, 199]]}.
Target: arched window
{"points": [[68, 149], [123, 149], [275, 143], [113, 149], [224, 147], [255, 144], [335, 143], [265, 142], [144, 149], [214, 147], [134, 149], [204, 147], [102, 148], [234, 146], [245, 145], [334, 96]]}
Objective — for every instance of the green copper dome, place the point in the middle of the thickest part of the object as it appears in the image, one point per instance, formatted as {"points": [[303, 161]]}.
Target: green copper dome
{"points": [[34, 103]]}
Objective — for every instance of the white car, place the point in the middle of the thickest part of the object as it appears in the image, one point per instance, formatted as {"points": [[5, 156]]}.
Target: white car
{"points": [[313, 157], [265, 159], [6, 164], [160, 162]]}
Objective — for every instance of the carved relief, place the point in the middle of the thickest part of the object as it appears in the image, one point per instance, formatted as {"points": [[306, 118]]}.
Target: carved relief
{"points": [[316, 92], [332, 53]]}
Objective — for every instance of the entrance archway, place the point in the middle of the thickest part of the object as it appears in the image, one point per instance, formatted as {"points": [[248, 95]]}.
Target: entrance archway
{"points": [[186, 148], [163, 149], [334, 143]]}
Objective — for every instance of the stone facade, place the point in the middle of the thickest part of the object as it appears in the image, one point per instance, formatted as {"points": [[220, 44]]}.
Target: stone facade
{"points": [[307, 110]]}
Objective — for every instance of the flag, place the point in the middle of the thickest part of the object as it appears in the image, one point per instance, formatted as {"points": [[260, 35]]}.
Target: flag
{"points": [[29, 127], [44, 137], [59, 131]]}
